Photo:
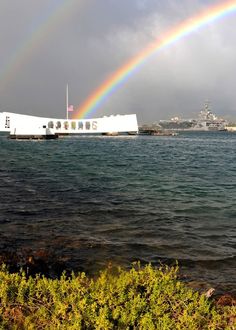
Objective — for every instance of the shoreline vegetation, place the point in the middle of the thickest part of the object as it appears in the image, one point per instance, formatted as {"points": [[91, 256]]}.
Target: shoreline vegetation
{"points": [[142, 297]]}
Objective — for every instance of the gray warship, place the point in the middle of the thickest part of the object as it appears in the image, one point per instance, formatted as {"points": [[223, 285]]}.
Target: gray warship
{"points": [[206, 121]]}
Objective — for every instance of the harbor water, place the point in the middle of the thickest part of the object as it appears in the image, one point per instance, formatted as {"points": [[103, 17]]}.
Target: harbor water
{"points": [[94, 200]]}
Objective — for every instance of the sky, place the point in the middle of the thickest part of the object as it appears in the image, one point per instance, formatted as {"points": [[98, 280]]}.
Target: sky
{"points": [[46, 44]]}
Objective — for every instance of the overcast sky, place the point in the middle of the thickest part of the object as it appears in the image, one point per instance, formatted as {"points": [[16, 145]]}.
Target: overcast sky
{"points": [[45, 44]]}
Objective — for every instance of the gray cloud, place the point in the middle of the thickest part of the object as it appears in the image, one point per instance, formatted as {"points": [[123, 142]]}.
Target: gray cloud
{"points": [[92, 41]]}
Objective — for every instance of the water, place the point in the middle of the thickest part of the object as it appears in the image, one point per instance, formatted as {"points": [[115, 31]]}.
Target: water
{"points": [[91, 200]]}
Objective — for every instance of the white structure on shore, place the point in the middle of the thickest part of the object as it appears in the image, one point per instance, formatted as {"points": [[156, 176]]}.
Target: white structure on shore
{"points": [[32, 126]]}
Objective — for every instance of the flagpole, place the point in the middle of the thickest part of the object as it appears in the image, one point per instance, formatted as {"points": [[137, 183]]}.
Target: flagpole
{"points": [[67, 101]]}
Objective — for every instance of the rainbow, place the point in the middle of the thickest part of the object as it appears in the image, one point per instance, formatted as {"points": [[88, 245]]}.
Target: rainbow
{"points": [[94, 101], [53, 15]]}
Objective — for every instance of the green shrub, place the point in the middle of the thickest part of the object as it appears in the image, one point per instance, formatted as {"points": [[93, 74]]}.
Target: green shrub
{"points": [[140, 298]]}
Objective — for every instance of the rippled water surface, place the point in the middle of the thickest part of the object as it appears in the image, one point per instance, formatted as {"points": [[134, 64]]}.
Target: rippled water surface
{"points": [[96, 199]]}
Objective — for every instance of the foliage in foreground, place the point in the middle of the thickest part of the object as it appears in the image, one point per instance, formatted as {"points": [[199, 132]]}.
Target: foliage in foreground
{"points": [[141, 298]]}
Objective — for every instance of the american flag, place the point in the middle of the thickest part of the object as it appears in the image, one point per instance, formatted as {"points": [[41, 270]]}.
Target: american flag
{"points": [[70, 108]]}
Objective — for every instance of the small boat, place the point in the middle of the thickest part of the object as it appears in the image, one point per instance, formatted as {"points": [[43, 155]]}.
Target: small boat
{"points": [[164, 133]]}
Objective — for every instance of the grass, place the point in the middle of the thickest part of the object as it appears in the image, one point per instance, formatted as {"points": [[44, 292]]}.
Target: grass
{"points": [[139, 298]]}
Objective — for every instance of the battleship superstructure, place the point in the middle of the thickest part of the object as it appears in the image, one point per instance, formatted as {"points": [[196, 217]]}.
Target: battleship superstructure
{"points": [[206, 121]]}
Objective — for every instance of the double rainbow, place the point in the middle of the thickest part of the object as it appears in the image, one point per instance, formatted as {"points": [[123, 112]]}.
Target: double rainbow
{"points": [[52, 16], [95, 100]]}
